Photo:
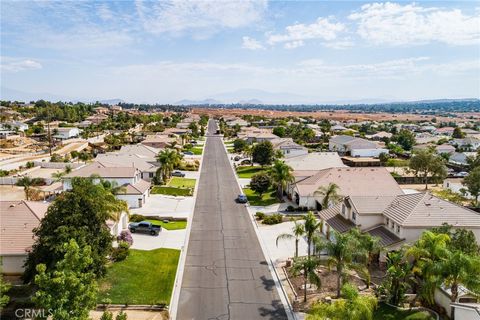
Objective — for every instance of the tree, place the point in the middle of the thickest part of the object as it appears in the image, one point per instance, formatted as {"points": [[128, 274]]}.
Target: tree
{"points": [[383, 157], [426, 163], [343, 254], [312, 228], [262, 153], [78, 214], [239, 145], [307, 265], [457, 268], [460, 239], [405, 138], [27, 183], [427, 252], [279, 131], [169, 160], [260, 183], [281, 175], [330, 195], [298, 231], [398, 271], [69, 290], [352, 306], [457, 133], [472, 182], [4, 287]]}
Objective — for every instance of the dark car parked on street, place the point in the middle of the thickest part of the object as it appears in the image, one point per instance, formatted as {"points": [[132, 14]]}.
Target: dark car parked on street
{"points": [[144, 227], [242, 198]]}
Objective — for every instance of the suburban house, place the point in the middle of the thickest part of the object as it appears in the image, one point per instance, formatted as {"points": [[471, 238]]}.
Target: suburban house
{"points": [[19, 218], [470, 144], [351, 182], [355, 147], [136, 190], [445, 131], [380, 135], [159, 141], [397, 220], [142, 150], [456, 185], [338, 128], [146, 167], [315, 161], [443, 148], [253, 134], [66, 133], [466, 305], [237, 121], [20, 126], [288, 147]]}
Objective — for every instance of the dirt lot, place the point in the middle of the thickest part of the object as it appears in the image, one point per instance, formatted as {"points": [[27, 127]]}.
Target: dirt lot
{"points": [[340, 115], [11, 193]]}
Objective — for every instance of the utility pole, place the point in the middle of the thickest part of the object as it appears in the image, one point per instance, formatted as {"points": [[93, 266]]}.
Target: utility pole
{"points": [[49, 134]]}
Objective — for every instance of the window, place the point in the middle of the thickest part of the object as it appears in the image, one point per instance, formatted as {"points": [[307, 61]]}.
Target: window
{"points": [[343, 209], [393, 225], [398, 229], [388, 222], [354, 216]]}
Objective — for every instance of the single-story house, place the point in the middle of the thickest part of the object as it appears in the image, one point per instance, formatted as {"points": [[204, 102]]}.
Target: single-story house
{"points": [[288, 147], [147, 166], [128, 177], [253, 134], [467, 143], [380, 135], [66, 133], [400, 219], [446, 131], [356, 147], [19, 218], [351, 182], [456, 185], [315, 161], [159, 141], [20, 126]]}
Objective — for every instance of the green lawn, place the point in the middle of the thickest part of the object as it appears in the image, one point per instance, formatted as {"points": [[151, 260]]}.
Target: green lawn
{"points": [[254, 199], [178, 182], [172, 225], [145, 277], [230, 150], [197, 150], [248, 171], [385, 312], [172, 191]]}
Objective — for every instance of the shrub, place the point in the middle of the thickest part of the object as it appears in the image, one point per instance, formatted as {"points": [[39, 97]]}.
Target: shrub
{"points": [[273, 219], [30, 164], [121, 316], [259, 215], [125, 236], [290, 208], [137, 218], [121, 252], [107, 315], [260, 183]]}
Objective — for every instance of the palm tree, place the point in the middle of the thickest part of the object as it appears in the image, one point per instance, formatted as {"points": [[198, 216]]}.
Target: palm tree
{"points": [[330, 194], [281, 175], [344, 253], [312, 231], [307, 265], [115, 205], [370, 246], [429, 250], [459, 268], [398, 271], [298, 231], [248, 151], [169, 160]]}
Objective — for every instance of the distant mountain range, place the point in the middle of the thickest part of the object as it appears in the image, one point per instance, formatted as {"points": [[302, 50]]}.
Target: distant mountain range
{"points": [[241, 97]]}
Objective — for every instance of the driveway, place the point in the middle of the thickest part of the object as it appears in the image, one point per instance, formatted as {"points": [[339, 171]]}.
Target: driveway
{"points": [[174, 239], [168, 206]]}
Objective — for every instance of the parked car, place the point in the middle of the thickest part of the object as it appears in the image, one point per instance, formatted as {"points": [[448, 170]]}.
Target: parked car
{"points": [[245, 162], [188, 153], [144, 227], [193, 142], [242, 198], [178, 174], [461, 174], [237, 158]]}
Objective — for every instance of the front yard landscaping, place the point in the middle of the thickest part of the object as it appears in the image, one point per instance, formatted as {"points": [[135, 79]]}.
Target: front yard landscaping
{"points": [[171, 225], [248, 171], [267, 199], [145, 277], [385, 312], [176, 187]]}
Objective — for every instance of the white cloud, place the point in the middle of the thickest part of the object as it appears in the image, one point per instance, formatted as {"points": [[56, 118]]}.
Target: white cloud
{"points": [[178, 16], [296, 34], [251, 44], [396, 24], [16, 64]]}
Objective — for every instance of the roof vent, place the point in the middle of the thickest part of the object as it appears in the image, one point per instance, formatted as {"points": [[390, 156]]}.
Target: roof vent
{"points": [[12, 205]]}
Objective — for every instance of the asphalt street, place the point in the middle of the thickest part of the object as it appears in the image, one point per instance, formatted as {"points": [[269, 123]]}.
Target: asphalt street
{"points": [[226, 275]]}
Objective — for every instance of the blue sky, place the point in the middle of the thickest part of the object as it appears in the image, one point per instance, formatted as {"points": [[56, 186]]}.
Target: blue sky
{"points": [[303, 51]]}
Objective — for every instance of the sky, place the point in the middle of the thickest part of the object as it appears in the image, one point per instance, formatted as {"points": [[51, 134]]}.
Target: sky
{"points": [[294, 51]]}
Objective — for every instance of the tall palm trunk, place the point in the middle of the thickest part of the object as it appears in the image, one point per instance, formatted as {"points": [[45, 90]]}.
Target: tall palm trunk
{"points": [[453, 299], [296, 247], [339, 279], [305, 281]]}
